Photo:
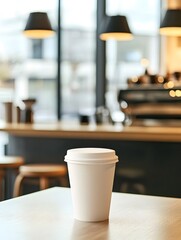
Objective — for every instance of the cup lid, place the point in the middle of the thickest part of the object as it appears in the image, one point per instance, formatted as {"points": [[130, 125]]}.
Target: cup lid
{"points": [[91, 155]]}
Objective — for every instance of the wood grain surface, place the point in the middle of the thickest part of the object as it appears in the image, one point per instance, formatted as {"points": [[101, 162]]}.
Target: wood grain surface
{"points": [[48, 214], [92, 131]]}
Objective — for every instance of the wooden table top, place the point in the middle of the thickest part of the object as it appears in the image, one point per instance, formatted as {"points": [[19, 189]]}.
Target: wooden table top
{"points": [[48, 215], [93, 131]]}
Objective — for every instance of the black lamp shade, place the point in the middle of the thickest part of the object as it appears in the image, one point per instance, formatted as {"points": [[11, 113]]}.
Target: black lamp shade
{"points": [[171, 25], [115, 27], [38, 26]]}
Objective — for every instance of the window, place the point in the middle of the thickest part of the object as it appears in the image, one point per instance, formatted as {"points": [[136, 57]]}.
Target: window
{"points": [[124, 57], [78, 25], [37, 48], [27, 67]]}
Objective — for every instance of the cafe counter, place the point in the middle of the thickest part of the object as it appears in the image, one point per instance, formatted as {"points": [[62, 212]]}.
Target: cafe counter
{"points": [[155, 150], [93, 131]]}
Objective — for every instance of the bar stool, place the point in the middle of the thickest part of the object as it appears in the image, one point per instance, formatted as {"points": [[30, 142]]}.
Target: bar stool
{"points": [[132, 180], [44, 172], [7, 163]]}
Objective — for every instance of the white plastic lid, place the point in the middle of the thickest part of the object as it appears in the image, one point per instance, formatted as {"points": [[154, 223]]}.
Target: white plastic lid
{"points": [[91, 155]]}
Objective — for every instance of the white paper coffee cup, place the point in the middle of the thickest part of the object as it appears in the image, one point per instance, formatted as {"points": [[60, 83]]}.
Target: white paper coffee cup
{"points": [[91, 173]]}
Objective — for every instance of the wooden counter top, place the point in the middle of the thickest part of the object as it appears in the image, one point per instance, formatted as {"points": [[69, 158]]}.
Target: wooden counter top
{"points": [[75, 130]]}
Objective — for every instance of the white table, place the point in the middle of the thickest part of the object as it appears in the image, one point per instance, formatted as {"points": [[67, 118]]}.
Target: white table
{"points": [[47, 215]]}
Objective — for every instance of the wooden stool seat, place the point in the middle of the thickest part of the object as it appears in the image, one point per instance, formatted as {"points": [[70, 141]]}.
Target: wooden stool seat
{"points": [[41, 171], [131, 173], [132, 180], [7, 162], [49, 170], [10, 162]]}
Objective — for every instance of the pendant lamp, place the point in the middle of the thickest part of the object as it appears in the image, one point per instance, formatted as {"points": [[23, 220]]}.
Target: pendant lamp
{"points": [[171, 24], [115, 27], [38, 26]]}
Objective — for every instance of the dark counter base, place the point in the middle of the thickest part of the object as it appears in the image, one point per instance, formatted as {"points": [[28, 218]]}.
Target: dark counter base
{"points": [[161, 162]]}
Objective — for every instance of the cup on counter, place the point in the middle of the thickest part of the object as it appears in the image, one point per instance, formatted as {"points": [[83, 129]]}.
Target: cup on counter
{"points": [[91, 174], [27, 114], [8, 106]]}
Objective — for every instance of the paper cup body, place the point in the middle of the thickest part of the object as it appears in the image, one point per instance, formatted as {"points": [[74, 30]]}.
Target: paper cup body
{"points": [[91, 177]]}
